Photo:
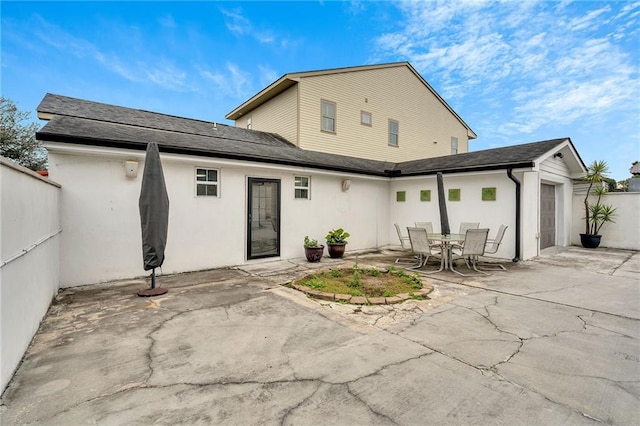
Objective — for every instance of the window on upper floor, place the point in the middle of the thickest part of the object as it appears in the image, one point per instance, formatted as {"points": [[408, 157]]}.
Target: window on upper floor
{"points": [[206, 182], [248, 122], [394, 127], [328, 116], [365, 118], [301, 187], [454, 145]]}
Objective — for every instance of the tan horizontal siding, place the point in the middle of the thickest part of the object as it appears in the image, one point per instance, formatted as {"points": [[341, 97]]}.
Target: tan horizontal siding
{"points": [[389, 93], [279, 115]]}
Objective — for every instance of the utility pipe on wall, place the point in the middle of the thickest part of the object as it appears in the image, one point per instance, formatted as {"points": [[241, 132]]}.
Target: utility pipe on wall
{"points": [[517, 182]]}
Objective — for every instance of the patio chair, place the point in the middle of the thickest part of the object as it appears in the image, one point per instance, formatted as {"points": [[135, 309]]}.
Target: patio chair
{"points": [[468, 225], [422, 247], [406, 246], [426, 225], [492, 248], [474, 244]]}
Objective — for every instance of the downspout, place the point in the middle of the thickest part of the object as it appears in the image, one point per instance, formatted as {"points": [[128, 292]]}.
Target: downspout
{"points": [[517, 182]]}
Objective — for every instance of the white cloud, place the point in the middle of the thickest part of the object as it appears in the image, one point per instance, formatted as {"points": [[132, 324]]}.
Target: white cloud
{"points": [[543, 64], [235, 22], [231, 82], [239, 25], [139, 67], [587, 21]]}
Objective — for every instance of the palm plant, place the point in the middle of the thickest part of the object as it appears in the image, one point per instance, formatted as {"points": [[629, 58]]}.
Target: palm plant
{"points": [[597, 214]]}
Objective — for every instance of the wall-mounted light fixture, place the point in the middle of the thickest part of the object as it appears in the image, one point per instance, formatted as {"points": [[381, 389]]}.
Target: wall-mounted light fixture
{"points": [[131, 169], [346, 184], [558, 155]]}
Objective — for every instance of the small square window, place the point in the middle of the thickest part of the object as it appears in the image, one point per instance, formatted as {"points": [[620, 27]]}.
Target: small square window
{"points": [[425, 195], [365, 118], [206, 182], [328, 116], [454, 194], [301, 187], [393, 132], [401, 196]]}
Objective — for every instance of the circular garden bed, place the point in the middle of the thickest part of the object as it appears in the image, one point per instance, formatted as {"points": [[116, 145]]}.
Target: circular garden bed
{"points": [[364, 285]]}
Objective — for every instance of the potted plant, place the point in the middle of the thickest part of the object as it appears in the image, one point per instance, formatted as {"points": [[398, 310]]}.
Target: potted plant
{"points": [[336, 242], [312, 250], [596, 214]]}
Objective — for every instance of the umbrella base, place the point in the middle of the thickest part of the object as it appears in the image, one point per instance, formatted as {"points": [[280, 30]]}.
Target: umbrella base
{"points": [[149, 292]]}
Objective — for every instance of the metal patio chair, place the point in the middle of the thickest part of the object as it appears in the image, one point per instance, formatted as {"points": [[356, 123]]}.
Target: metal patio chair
{"points": [[426, 225], [492, 248], [405, 244], [474, 244], [468, 225], [422, 247]]}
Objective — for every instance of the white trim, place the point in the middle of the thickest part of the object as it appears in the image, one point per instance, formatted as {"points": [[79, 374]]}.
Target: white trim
{"points": [[122, 153]]}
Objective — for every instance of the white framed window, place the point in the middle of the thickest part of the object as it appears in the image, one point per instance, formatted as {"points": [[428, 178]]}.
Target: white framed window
{"points": [[365, 118], [207, 182], [394, 128], [328, 116], [302, 185], [248, 122], [454, 145]]}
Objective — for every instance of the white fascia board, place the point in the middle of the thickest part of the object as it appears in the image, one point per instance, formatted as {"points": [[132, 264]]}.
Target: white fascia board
{"points": [[131, 154], [459, 174]]}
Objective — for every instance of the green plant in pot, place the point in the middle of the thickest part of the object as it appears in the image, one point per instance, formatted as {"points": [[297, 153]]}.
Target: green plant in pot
{"points": [[336, 242], [598, 213], [312, 250]]}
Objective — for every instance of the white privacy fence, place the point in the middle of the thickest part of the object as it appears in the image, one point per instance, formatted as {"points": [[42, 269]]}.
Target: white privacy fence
{"points": [[624, 233], [29, 259]]}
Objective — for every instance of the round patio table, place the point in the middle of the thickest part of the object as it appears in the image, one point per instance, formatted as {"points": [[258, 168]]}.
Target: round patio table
{"points": [[446, 242]]}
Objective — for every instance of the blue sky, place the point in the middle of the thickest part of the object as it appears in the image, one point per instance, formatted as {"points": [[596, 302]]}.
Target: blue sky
{"points": [[515, 71]]}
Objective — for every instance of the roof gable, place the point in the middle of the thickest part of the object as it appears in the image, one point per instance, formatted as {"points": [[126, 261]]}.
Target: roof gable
{"points": [[291, 79]]}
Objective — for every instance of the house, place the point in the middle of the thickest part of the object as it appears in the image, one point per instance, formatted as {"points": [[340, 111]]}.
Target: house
{"points": [[242, 195], [382, 112]]}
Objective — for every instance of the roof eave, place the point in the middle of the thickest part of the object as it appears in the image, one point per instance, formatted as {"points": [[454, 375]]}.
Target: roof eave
{"points": [[269, 92], [141, 146], [481, 168]]}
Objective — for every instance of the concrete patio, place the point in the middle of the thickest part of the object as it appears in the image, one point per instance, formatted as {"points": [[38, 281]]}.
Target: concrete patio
{"points": [[555, 340]]}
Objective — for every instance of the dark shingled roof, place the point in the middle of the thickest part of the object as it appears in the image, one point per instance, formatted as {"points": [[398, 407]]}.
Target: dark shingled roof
{"points": [[91, 123]]}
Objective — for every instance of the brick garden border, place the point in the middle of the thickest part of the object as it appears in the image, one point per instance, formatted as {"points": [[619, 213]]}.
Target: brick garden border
{"points": [[362, 300]]}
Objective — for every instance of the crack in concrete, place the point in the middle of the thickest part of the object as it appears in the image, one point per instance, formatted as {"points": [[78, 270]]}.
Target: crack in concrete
{"points": [[366, 404], [150, 337], [629, 256], [487, 317], [298, 405], [525, 296]]}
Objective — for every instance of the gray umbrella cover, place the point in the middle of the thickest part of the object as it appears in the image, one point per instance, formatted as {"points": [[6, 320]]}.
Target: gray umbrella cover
{"points": [[442, 203], [154, 210]]}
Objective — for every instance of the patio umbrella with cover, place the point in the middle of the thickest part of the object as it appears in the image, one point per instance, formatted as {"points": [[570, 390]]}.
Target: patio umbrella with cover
{"points": [[444, 217], [154, 217]]}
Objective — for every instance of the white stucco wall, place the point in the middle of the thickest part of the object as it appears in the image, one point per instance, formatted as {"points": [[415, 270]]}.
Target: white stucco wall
{"points": [[470, 208], [29, 251], [624, 233], [100, 212]]}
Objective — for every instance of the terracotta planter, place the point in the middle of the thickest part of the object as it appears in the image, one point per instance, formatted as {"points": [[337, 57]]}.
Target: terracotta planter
{"points": [[314, 254], [336, 251], [590, 241]]}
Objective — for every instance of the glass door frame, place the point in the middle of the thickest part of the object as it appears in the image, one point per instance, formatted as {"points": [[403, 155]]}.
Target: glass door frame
{"points": [[250, 182]]}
